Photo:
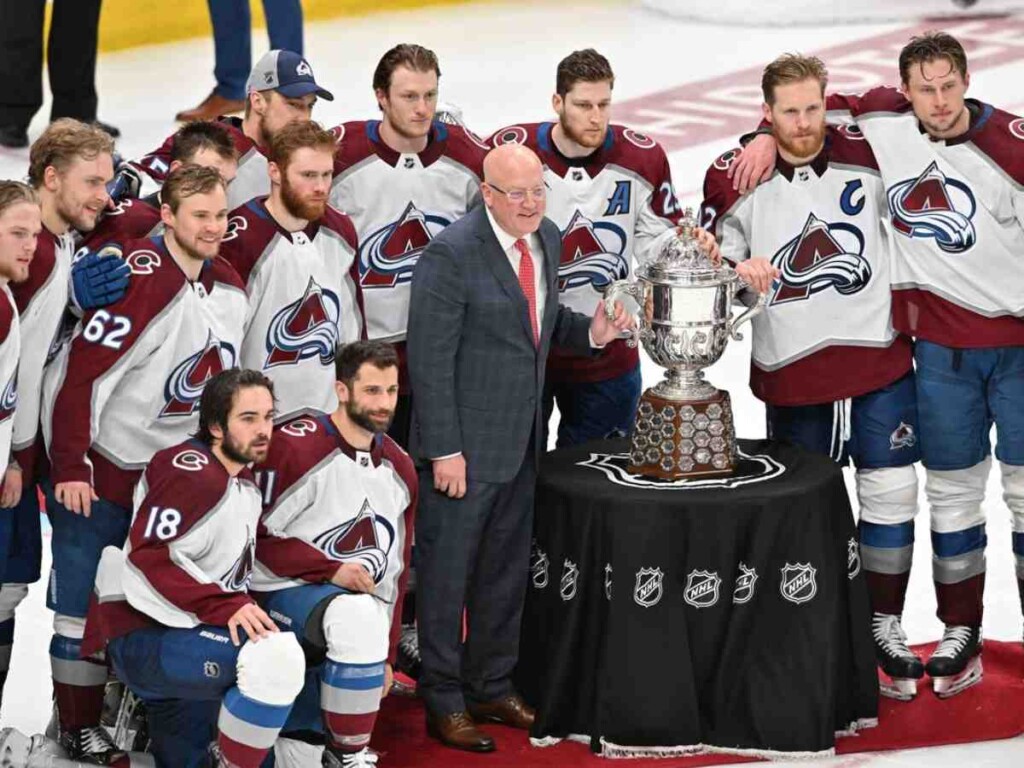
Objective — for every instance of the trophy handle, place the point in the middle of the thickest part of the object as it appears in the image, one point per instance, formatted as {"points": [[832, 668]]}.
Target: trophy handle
{"points": [[749, 314], [617, 290]]}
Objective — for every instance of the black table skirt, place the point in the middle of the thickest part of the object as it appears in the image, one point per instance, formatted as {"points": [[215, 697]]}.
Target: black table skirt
{"points": [[726, 614]]}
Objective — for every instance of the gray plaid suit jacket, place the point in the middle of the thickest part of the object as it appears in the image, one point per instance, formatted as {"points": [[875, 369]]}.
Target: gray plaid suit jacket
{"points": [[477, 378]]}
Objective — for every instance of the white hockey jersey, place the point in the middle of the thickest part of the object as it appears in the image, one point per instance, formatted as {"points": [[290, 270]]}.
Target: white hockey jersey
{"points": [[826, 333], [610, 207], [327, 504], [304, 300], [10, 349], [398, 203], [957, 213], [189, 554], [128, 384], [42, 303]]}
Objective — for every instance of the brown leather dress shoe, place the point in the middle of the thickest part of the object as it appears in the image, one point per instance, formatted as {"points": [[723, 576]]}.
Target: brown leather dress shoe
{"points": [[511, 710], [456, 730], [212, 107]]}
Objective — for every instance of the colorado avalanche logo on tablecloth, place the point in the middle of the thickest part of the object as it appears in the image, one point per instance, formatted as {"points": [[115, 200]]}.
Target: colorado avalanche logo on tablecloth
{"points": [[9, 400], [366, 539], [591, 254], [387, 257], [185, 384], [824, 255], [237, 577], [934, 206], [306, 328]]}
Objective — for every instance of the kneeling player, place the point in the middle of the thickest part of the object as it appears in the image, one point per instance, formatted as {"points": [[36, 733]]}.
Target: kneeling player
{"points": [[186, 636], [332, 554], [834, 375]]}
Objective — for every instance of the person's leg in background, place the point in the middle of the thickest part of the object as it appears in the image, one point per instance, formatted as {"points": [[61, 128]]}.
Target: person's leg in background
{"points": [[284, 24], [232, 46], [21, 67]]}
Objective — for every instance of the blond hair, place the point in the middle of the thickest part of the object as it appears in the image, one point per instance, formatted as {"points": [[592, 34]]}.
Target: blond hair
{"points": [[792, 68], [61, 143], [14, 192]]}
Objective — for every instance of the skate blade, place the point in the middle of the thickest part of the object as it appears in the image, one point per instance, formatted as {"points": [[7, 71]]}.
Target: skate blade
{"points": [[946, 687], [898, 688]]}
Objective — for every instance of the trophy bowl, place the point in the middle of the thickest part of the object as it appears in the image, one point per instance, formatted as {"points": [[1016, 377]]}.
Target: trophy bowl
{"points": [[684, 425]]}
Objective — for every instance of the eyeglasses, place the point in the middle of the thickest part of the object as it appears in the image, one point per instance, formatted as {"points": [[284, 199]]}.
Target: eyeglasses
{"points": [[519, 195]]}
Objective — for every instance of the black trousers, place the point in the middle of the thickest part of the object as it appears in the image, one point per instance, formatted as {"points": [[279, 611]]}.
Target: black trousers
{"points": [[472, 552], [70, 56]]}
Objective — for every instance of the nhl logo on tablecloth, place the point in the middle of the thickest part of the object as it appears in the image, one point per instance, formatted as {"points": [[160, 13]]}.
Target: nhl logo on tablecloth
{"points": [[852, 559], [798, 583], [744, 589], [539, 565], [570, 577], [607, 581], [648, 590], [702, 588]]}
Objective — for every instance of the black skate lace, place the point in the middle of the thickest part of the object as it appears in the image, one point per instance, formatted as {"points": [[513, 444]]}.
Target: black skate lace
{"points": [[96, 741], [888, 631], [954, 639]]}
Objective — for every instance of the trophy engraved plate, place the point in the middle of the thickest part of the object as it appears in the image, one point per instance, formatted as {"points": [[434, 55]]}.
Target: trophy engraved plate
{"points": [[684, 426]]}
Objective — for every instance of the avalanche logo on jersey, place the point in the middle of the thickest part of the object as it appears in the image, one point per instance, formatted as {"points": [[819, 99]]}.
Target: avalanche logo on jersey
{"points": [[237, 577], [591, 254], [306, 328], [9, 400], [387, 257], [366, 539], [185, 384], [934, 206], [823, 256]]}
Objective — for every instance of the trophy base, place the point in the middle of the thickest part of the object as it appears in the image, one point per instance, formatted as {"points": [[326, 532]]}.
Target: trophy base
{"points": [[676, 439]]}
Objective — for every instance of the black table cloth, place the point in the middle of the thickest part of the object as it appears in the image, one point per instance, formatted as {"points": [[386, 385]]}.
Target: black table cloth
{"points": [[669, 618]]}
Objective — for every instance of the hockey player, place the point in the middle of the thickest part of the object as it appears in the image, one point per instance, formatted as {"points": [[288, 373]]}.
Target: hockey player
{"points": [[952, 171], [296, 255], [332, 554], [20, 226], [184, 634], [281, 90], [126, 386], [402, 179], [835, 376], [200, 143], [609, 190]]}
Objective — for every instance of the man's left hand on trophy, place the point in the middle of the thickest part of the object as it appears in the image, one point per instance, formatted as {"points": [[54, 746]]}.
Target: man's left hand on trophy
{"points": [[604, 329]]}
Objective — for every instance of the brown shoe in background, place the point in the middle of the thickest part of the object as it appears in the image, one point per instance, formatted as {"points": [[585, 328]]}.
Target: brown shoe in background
{"points": [[456, 730], [212, 107], [511, 710]]}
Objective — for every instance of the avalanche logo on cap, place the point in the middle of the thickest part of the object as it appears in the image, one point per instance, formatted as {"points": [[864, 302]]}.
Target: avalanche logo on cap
{"points": [[306, 328], [388, 256], [185, 385], [304, 70], [934, 206], [591, 254]]}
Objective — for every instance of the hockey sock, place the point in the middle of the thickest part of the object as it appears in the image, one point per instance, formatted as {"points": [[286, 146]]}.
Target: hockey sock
{"points": [[350, 699], [78, 684], [886, 553], [6, 645], [247, 729]]}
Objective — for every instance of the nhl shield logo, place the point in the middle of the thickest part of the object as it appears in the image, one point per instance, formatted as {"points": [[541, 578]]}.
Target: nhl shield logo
{"points": [[852, 559], [570, 578], [745, 581], [798, 583], [702, 588], [607, 581], [539, 565], [648, 590]]}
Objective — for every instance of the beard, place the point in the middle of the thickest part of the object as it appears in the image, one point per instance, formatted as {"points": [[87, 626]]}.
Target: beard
{"points": [[362, 417], [191, 251], [590, 141], [73, 215], [299, 207], [254, 451], [804, 147]]}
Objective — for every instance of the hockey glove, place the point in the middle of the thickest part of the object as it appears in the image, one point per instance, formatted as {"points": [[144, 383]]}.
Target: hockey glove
{"points": [[99, 279]]}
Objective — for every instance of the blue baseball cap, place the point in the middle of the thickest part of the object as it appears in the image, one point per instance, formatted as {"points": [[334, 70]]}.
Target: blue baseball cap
{"points": [[287, 73]]}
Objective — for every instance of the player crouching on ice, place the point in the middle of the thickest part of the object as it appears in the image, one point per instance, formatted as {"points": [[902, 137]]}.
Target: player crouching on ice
{"points": [[173, 607], [332, 554]]}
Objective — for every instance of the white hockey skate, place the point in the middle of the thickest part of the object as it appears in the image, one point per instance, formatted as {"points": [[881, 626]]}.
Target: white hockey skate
{"points": [[901, 668], [20, 751], [364, 758], [956, 663]]}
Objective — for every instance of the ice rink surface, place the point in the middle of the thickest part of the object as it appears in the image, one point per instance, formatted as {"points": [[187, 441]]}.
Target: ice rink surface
{"points": [[693, 86]]}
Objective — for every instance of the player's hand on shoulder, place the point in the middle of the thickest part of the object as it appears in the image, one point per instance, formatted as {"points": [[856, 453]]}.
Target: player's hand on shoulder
{"points": [[11, 494], [353, 577], [253, 620], [99, 278], [76, 496], [755, 163], [758, 272]]}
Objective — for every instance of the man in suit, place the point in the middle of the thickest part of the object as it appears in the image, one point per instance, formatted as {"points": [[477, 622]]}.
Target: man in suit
{"points": [[484, 312]]}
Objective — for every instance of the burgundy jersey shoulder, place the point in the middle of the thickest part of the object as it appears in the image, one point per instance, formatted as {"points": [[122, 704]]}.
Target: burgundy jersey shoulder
{"points": [[250, 230], [638, 152], [352, 144], [517, 133], [849, 147], [719, 196], [296, 447], [7, 311], [43, 261], [220, 270], [883, 99], [189, 471], [1000, 135], [402, 463], [129, 220], [339, 222], [155, 280], [464, 147]]}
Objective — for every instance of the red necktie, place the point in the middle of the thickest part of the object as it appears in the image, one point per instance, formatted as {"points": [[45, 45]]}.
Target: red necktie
{"points": [[526, 283]]}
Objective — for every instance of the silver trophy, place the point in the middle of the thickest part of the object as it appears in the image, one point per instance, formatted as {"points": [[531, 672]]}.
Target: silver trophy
{"points": [[684, 425]]}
